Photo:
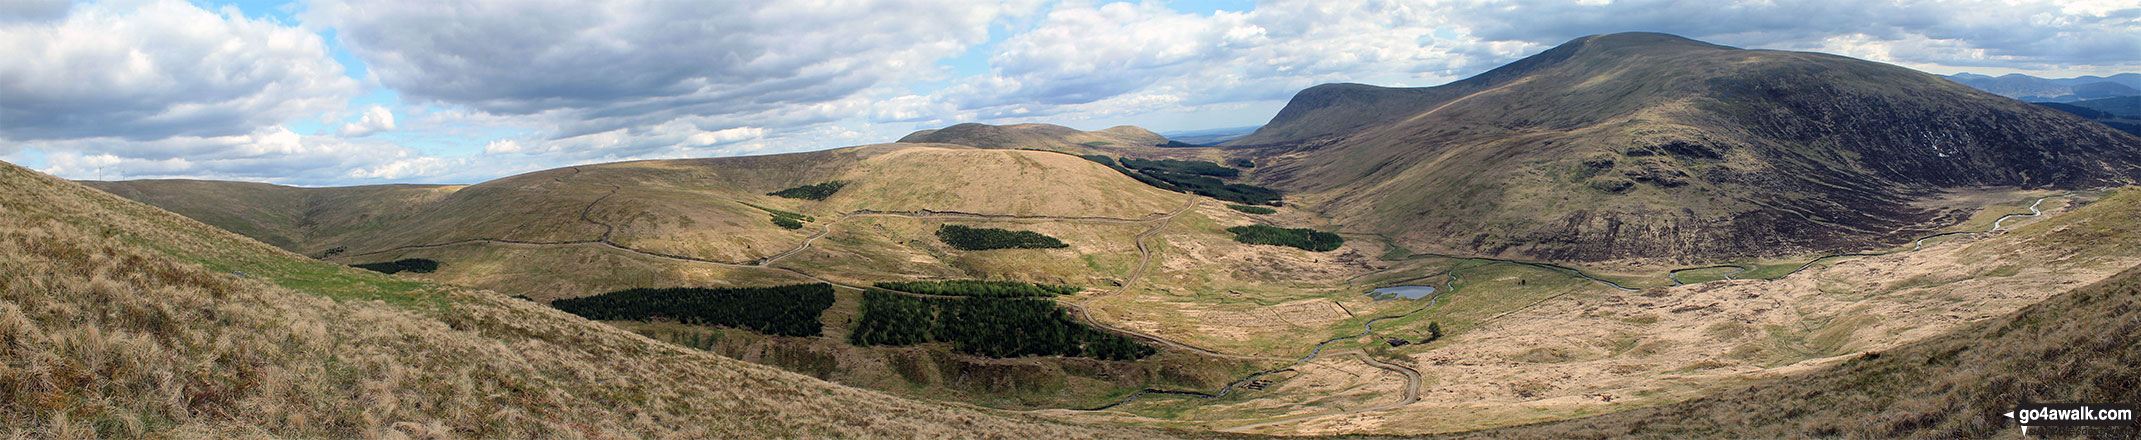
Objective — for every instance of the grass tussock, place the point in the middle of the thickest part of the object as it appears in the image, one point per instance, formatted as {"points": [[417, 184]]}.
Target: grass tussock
{"points": [[2074, 347], [121, 321]]}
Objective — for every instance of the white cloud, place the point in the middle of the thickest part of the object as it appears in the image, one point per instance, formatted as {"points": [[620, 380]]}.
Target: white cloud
{"points": [[273, 154], [502, 146], [403, 167], [1088, 61], [1085, 61], [164, 88], [375, 119], [724, 136], [158, 69], [2011, 33], [583, 68], [33, 10]]}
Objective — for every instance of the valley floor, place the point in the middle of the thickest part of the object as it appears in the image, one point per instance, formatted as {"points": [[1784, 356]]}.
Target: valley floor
{"points": [[1283, 341]]}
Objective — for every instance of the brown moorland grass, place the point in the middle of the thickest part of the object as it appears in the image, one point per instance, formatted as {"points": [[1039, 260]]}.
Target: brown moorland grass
{"points": [[2078, 346], [121, 320]]}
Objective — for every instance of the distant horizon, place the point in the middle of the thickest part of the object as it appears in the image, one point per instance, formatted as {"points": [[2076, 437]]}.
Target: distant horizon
{"points": [[327, 93], [1170, 134]]}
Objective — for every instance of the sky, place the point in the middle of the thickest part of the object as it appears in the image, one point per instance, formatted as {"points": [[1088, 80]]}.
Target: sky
{"points": [[352, 92]]}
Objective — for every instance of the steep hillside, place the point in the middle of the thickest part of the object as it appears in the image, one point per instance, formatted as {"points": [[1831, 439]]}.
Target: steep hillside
{"points": [[1650, 146], [2034, 89], [2074, 347], [283, 216], [120, 320], [698, 208], [2123, 113], [1040, 136]]}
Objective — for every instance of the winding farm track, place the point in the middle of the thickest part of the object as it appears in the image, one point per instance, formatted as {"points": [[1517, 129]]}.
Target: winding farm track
{"points": [[1145, 257], [1412, 377], [1144, 261], [1920, 242], [1144, 254], [1675, 273], [1412, 394]]}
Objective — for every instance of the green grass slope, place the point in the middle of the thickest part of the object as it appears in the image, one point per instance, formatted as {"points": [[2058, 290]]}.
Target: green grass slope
{"points": [[120, 320], [1651, 146]]}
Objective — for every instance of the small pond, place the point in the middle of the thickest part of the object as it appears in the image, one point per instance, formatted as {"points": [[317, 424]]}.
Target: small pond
{"points": [[1406, 292]]}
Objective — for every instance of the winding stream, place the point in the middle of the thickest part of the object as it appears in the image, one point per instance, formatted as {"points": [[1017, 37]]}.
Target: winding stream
{"points": [[1368, 327], [1413, 377]]}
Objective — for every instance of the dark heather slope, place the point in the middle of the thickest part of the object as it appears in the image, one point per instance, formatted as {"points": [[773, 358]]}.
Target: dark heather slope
{"points": [[1651, 146]]}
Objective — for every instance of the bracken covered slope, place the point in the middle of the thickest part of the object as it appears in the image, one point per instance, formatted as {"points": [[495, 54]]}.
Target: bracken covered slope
{"points": [[119, 320], [1652, 146]]}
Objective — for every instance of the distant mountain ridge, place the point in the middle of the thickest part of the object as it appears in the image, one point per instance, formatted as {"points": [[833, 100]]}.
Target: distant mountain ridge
{"points": [[1210, 136], [1038, 136], [2122, 113], [2035, 89], [1648, 146]]}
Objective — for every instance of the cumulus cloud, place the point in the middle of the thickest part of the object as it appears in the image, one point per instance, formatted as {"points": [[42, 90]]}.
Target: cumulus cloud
{"points": [[2023, 33], [502, 146], [164, 88], [1125, 58], [375, 119], [589, 68], [675, 139], [33, 10], [273, 154], [158, 69], [1084, 60]]}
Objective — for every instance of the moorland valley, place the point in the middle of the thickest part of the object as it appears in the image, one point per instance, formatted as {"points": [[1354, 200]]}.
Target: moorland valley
{"points": [[1626, 234]]}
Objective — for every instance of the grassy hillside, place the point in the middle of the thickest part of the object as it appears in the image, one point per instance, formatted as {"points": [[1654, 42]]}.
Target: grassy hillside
{"points": [[284, 216], [1649, 146], [1040, 136], [2074, 347], [677, 207], [122, 320], [2122, 113]]}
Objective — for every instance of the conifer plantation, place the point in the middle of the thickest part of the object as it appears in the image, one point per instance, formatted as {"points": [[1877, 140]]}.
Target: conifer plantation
{"points": [[981, 239], [790, 310], [978, 288], [811, 192], [991, 327], [1303, 238]]}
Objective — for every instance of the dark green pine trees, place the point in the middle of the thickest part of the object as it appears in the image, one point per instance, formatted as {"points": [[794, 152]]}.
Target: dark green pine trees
{"points": [[790, 310], [981, 239], [986, 326]]}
